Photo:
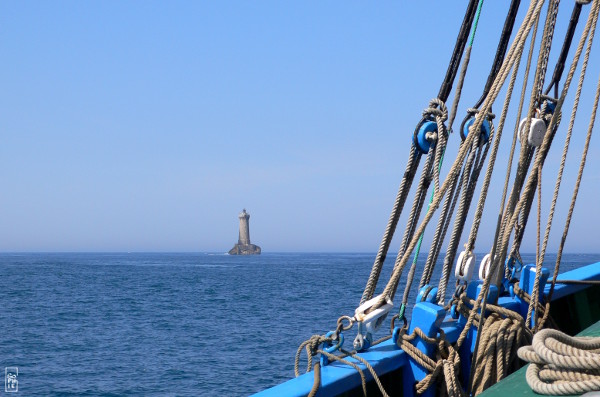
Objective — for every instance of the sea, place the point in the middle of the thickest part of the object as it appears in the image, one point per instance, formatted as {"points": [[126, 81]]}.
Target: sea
{"points": [[174, 324]]}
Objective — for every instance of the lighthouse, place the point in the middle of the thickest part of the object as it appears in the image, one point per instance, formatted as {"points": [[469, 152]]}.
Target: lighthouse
{"points": [[244, 228], [243, 246]]}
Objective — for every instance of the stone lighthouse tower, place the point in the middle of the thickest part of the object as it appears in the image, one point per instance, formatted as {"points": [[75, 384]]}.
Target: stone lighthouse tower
{"points": [[244, 247], [244, 228]]}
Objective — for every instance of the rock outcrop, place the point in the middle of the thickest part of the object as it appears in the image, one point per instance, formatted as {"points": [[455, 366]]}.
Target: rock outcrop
{"points": [[249, 249]]}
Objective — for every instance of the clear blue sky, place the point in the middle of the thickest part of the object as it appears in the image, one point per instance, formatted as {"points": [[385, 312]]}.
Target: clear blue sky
{"points": [[148, 126]]}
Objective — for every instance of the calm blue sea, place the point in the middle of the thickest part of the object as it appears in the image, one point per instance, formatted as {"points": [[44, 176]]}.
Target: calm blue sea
{"points": [[170, 324]]}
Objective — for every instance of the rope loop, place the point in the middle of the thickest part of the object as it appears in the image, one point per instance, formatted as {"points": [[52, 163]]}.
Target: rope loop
{"points": [[312, 347], [447, 361], [315, 341], [583, 1], [473, 111], [503, 332], [545, 97], [437, 108], [398, 332]]}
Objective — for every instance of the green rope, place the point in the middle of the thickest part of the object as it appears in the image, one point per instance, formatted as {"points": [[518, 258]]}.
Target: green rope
{"points": [[401, 311], [475, 23]]}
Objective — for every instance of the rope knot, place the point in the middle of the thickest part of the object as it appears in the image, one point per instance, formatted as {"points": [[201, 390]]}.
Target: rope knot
{"points": [[312, 348], [446, 363], [315, 341]]}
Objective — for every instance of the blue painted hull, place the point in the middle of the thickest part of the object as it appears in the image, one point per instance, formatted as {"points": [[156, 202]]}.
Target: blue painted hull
{"points": [[571, 300]]}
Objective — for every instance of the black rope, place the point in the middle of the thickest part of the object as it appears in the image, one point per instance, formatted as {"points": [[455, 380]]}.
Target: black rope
{"points": [[509, 23], [585, 282], [459, 47]]}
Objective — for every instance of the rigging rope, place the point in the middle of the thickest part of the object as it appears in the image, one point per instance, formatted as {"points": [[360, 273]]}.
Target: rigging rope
{"points": [[501, 335], [575, 189], [471, 172], [409, 174], [470, 246], [438, 109], [527, 151], [452, 197], [593, 18], [513, 56], [534, 10], [482, 197], [504, 330], [485, 287], [414, 156]]}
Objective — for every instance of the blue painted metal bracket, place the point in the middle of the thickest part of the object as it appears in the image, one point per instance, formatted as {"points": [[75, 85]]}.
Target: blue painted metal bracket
{"points": [[428, 317], [526, 284], [330, 347], [473, 290]]}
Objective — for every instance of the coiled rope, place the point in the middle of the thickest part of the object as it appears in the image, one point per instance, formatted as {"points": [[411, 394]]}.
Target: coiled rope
{"points": [[502, 333], [562, 364]]}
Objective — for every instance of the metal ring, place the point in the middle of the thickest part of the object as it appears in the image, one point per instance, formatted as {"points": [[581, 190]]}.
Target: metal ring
{"points": [[340, 321]]}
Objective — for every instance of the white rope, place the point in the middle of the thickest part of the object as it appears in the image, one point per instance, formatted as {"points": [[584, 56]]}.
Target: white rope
{"points": [[562, 364]]}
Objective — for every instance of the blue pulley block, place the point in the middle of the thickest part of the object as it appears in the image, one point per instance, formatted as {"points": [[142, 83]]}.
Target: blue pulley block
{"points": [[427, 293], [551, 106], [485, 129], [420, 138], [331, 348]]}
